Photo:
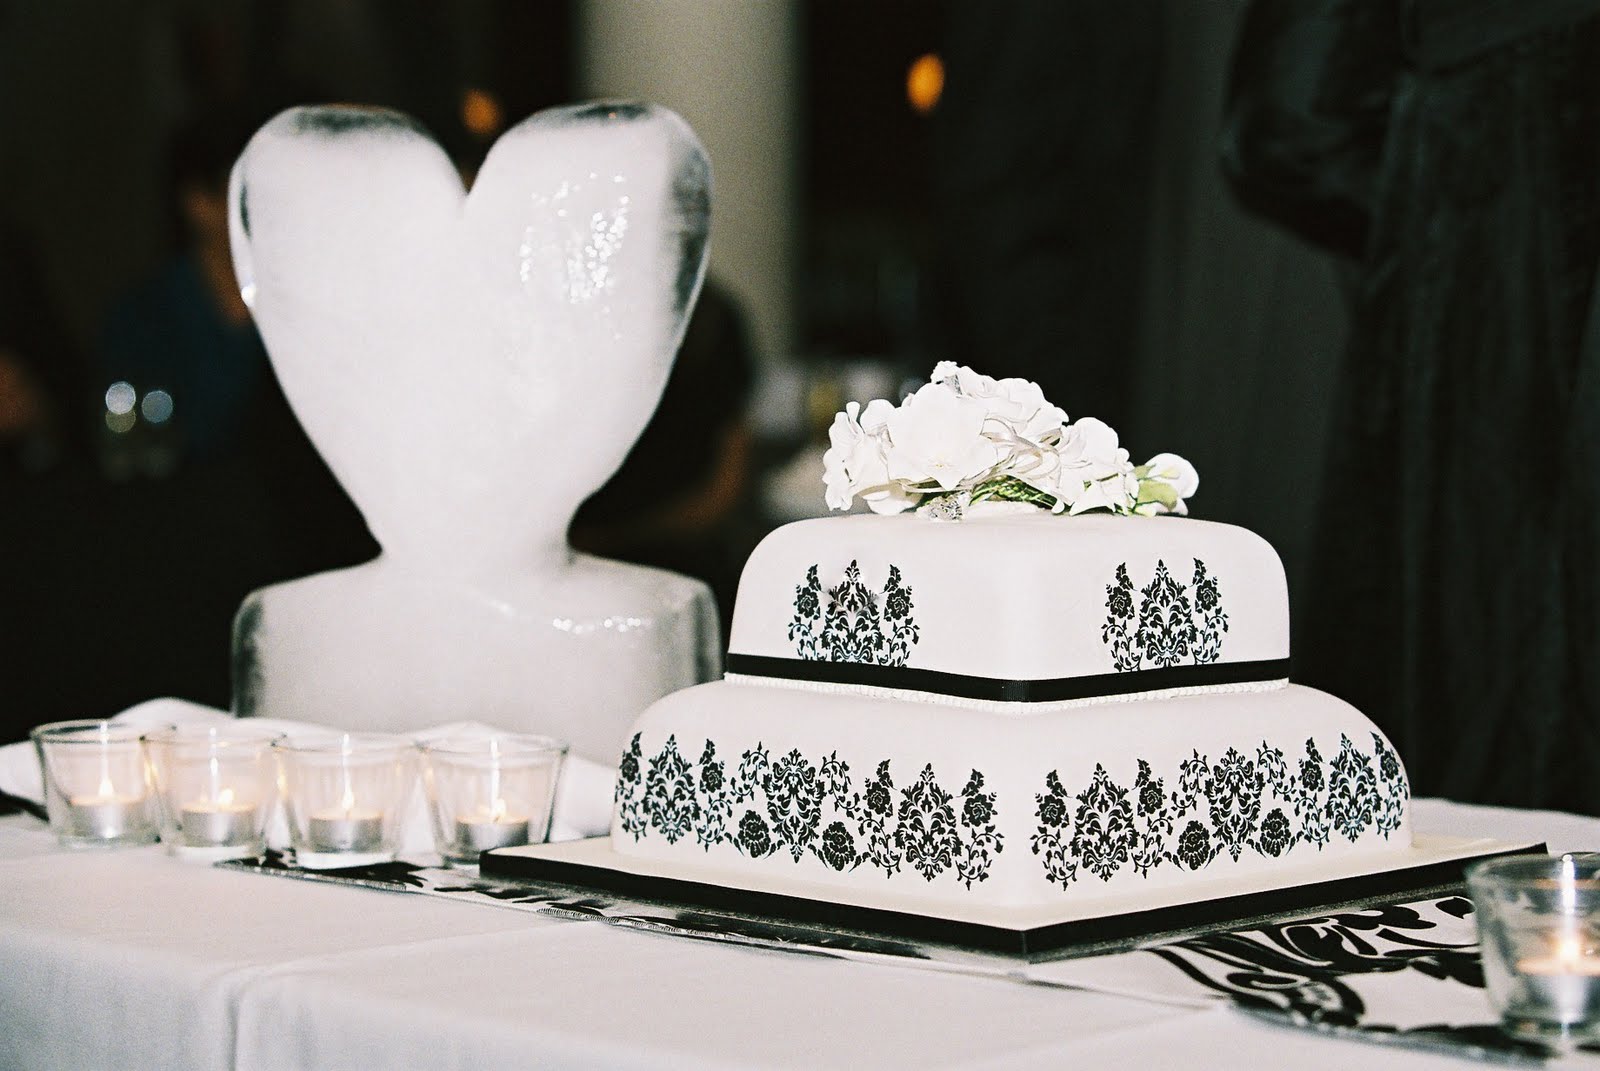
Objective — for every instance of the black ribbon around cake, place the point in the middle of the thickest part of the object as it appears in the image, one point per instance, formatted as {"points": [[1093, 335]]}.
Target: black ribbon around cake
{"points": [[1010, 690]]}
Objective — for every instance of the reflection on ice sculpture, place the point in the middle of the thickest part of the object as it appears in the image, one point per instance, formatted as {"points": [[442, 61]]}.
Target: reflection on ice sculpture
{"points": [[472, 366]]}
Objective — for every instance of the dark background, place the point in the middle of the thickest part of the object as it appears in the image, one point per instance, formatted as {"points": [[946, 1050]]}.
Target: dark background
{"points": [[1059, 214]]}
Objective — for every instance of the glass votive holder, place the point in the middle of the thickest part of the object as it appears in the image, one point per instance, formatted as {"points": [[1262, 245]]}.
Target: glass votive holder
{"points": [[489, 791], [96, 783], [344, 795], [1539, 929], [215, 788]]}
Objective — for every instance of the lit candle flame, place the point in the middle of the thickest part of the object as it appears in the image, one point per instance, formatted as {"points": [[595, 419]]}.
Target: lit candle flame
{"points": [[106, 791], [498, 811], [225, 797], [1569, 951], [347, 802]]}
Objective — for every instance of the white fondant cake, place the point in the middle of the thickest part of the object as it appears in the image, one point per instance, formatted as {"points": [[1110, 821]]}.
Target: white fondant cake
{"points": [[1010, 710], [1015, 596]]}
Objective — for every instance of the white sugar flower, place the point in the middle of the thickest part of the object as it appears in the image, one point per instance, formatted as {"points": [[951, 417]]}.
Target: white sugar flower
{"points": [[937, 435], [1040, 469], [1176, 471], [1022, 404], [1095, 470], [1115, 493], [843, 437], [1168, 480], [1089, 449], [891, 498], [1018, 405], [965, 437], [854, 460]]}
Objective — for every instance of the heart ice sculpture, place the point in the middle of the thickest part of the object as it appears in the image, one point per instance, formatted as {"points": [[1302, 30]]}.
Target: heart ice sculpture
{"points": [[472, 366]]}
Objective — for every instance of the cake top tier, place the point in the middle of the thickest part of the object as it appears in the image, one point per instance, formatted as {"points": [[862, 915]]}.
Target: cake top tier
{"points": [[1012, 604]]}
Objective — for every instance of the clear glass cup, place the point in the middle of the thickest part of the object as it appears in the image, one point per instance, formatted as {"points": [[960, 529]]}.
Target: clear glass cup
{"points": [[96, 783], [1539, 928], [215, 788], [344, 795], [492, 790]]}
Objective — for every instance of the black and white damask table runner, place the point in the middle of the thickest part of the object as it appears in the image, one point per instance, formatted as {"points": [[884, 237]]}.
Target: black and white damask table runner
{"points": [[1406, 974]]}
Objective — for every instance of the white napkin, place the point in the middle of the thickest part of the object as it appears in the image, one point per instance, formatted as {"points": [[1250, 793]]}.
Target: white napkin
{"points": [[583, 797]]}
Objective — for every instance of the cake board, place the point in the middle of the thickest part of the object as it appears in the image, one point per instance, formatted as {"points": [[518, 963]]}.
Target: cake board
{"points": [[769, 907]]}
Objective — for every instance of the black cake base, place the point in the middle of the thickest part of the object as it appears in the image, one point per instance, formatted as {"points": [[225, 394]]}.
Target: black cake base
{"points": [[813, 914]]}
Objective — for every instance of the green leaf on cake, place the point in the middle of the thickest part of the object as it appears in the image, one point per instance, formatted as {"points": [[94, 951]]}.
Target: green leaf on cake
{"points": [[1158, 491], [1011, 489]]}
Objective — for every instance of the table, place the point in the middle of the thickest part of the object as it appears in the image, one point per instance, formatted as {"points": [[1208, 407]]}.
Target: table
{"points": [[135, 960]]}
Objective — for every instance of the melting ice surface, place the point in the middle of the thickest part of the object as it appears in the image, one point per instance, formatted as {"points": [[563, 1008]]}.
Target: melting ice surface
{"points": [[472, 366]]}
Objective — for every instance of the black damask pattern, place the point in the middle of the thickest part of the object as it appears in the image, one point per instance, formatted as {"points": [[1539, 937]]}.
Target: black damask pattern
{"points": [[981, 843], [877, 822], [1117, 633], [1235, 802], [1352, 798], [853, 623], [806, 809], [1165, 623], [1210, 622], [716, 807], [1315, 971], [1390, 809], [1166, 629], [1155, 819], [631, 815], [1240, 804], [804, 630], [793, 802], [1102, 833], [670, 798]]}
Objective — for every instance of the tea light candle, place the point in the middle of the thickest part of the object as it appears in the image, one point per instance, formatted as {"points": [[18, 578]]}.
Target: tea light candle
{"points": [[1563, 987], [345, 828], [491, 827], [106, 815], [218, 822]]}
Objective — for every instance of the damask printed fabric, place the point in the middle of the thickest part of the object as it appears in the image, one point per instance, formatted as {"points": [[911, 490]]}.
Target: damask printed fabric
{"points": [[1407, 974], [1207, 812], [790, 805], [1165, 623], [851, 622]]}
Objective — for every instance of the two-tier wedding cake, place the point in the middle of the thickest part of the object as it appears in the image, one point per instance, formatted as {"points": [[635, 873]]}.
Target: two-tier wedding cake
{"points": [[1012, 709], [1024, 689]]}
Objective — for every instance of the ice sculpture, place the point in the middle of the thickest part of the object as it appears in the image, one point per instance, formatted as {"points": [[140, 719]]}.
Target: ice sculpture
{"points": [[473, 366]]}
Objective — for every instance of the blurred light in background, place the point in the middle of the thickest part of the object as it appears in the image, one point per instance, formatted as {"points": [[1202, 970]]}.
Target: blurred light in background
{"points": [[481, 113], [120, 397], [925, 82], [156, 407]]}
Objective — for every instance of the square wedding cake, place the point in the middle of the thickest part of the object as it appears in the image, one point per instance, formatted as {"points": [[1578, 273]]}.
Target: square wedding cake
{"points": [[1012, 709], [1016, 689]]}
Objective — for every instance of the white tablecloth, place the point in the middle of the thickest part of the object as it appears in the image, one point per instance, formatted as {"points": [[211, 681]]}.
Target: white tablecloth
{"points": [[134, 960]]}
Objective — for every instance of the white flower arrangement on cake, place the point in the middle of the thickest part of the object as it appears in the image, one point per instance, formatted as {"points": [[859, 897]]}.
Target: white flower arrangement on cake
{"points": [[965, 438]]}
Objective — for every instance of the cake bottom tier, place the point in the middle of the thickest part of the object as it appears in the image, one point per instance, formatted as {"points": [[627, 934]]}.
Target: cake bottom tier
{"points": [[964, 805]]}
